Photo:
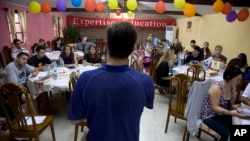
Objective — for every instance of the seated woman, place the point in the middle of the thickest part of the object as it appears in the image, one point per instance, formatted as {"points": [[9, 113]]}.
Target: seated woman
{"points": [[58, 45], [68, 56], [216, 107], [92, 58], [163, 67]]}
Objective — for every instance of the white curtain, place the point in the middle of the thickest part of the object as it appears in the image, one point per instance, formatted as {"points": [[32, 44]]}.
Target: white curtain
{"points": [[11, 17], [23, 24]]}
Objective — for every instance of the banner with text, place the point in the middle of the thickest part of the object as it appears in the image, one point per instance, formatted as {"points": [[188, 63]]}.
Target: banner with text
{"points": [[104, 22]]}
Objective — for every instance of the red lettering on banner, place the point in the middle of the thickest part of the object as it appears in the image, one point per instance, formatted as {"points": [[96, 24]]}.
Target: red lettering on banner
{"points": [[104, 22]]}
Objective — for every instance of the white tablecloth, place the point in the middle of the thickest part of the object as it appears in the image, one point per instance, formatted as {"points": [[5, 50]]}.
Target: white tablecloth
{"points": [[61, 83], [55, 54]]}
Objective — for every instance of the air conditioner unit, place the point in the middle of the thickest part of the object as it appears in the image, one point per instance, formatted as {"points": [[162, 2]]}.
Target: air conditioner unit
{"points": [[170, 34]]}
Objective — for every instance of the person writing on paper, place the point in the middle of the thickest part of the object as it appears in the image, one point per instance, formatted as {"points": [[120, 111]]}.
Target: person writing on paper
{"points": [[92, 58], [18, 72], [112, 97], [193, 58], [39, 60], [67, 56], [216, 109]]}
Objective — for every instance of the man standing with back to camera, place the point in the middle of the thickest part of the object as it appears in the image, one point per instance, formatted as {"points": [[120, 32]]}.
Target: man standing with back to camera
{"points": [[112, 97]]}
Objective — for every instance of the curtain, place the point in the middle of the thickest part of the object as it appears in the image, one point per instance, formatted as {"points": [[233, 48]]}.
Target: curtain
{"points": [[11, 16], [23, 24], [60, 29]]}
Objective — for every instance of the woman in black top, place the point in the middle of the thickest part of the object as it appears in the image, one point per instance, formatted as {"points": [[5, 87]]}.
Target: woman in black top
{"points": [[92, 58], [163, 67]]}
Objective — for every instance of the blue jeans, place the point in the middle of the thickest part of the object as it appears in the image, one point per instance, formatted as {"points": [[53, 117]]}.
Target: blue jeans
{"points": [[220, 124]]}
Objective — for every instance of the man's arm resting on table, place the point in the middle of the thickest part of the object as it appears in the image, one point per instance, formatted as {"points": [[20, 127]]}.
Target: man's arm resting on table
{"points": [[35, 72]]}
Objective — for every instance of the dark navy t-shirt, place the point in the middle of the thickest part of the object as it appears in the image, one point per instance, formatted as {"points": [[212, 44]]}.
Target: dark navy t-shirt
{"points": [[112, 99]]}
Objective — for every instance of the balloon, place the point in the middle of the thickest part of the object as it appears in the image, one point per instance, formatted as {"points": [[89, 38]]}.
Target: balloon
{"points": [[118, 12], [179, 3], [231, 16], [132, 4], [227, 8], [99, 7], [130, 13], [160, 7], [189, 10], [76, 3], [90, 5], [61, 5], [46, 8], [243, 15], [113, 4], [35, 7], [218, 6]]}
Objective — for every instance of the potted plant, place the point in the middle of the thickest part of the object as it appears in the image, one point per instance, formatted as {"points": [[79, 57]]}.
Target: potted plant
{"points": [[71, 34]]}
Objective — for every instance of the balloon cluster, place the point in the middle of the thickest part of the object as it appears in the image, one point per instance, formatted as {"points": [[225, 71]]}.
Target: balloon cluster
{"points": [[131, 5], [36, 7], [189, 9], [231, 15]]}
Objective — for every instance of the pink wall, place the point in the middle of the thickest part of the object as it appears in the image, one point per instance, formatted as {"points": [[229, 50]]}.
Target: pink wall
{"points": [[38, 25]]}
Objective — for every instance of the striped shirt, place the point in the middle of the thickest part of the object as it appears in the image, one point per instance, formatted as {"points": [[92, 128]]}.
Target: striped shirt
{"points": [[15, 51]]}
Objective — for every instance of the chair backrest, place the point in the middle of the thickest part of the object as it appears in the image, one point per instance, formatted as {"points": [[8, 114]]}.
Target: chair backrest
{"points": [[198, 73], [9, 100], [7, 54], [1, 61], [153, 69], [33, 47], [182, 83], [72, 81]]}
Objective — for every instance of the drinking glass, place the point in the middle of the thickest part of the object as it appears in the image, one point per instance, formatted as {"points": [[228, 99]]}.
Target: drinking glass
{"points": [[84, 62]]}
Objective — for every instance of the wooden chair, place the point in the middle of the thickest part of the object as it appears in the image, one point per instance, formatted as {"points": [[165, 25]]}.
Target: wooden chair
{"points": [[177, 108], [33, 47], [72, 82], [198, 73], [19, 127], [7, 54], [1, 61]]}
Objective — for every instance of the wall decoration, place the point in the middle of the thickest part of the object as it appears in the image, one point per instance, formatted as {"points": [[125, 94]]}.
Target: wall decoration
{"points": [[76, 3], [99, 7], [35, 7], [231, 17], [160, 7], [61, 5], [90, 5], [46, 8], [243, 14], [227, 8], [179, 3], [112, 4], [218, 6], [131, 4], [189, 10]]}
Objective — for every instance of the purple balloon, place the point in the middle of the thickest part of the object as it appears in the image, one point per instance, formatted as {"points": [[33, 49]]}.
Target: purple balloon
{"points": [[231, 16], [61, 5]]}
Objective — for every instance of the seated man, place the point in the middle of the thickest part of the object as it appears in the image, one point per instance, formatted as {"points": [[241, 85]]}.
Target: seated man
{"points": [[194, 57], [40, 59], [41, 42], [17, 49], [83, 45], [218, 56], [18, 71], [188, 49]]}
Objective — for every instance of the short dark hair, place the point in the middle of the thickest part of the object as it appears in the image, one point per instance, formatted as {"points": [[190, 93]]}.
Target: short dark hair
{"points": [[197, 48], [41, 40], [20, 54], [38, 48], [235, 62], [193, 41], [15, 41], [231, 72], [121, 38], [243, 58], [177, 49]]}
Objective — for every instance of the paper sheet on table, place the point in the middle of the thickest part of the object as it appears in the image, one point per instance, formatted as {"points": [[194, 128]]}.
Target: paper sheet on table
{"points": [[38, 119], [53, 55]]}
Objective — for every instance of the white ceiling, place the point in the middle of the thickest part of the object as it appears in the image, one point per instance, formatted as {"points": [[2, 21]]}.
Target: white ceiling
{"points": [[201, 9]]}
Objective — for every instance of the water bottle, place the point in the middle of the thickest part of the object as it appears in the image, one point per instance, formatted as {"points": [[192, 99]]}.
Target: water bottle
{"points": [[48, 69], [55, 69], [61, 62]]}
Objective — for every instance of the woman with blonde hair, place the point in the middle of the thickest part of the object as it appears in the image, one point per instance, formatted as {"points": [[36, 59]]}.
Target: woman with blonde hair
{"points": [[165, 63]]}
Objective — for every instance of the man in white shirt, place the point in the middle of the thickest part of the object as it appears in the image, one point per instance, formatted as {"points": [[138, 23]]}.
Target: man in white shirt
{"points": [[245, 97], [17, 49]]}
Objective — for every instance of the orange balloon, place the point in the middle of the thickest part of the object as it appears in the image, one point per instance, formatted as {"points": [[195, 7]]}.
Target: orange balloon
{"points": [[218, 6], [118, 12], [99, 7], [189, 10], [90, 5], [227, 8], [243, 15], [160, 7], [45, 7]]}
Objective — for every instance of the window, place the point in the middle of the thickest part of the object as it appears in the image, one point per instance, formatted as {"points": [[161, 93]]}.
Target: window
{"points": [[58, 26], [19, 33]]}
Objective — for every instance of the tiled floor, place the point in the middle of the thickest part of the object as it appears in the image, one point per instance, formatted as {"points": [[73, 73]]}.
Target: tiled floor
{"points": [[152, 123]]}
